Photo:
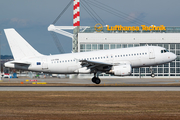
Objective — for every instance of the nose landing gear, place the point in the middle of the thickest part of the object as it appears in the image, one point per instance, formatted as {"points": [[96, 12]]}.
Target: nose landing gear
{"points": [[152, 73]]}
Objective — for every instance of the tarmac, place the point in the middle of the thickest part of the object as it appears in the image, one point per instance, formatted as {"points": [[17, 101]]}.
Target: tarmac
{"points": [[86, 82], [42, 88]]}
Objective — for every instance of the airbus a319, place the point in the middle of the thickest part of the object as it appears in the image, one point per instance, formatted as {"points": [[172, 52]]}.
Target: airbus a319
{"points": [[118, 62]]}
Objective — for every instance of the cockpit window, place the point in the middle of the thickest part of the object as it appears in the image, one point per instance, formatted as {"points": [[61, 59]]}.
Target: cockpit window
{"points": [[167, 50], [164, 51]]}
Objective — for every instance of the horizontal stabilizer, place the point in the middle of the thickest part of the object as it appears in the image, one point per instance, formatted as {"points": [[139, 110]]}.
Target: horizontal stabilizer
{"points": [[20, 62]]}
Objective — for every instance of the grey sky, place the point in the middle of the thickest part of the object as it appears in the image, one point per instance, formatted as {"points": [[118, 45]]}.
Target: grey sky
{"points": [[32, 17]]}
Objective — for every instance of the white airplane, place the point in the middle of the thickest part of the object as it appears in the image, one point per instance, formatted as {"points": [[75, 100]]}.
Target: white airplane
{"points": [[118, 62]]}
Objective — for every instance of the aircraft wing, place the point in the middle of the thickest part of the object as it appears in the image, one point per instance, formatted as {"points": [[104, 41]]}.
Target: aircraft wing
{"points": [[94, 65]]}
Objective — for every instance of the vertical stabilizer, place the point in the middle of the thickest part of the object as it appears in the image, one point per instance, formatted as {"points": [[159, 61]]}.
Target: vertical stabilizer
{"points": [[20, 48]]}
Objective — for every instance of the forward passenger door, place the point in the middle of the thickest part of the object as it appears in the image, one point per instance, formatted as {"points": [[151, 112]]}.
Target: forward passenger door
{"points": [[151, 53]]}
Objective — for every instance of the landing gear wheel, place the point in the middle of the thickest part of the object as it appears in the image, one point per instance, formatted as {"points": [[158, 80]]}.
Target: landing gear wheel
{"points": [[97, 81], [94, 79], [152, 75]]}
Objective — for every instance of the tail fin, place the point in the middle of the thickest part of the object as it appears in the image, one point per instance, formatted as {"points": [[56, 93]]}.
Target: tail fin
{"points": [[18, 45]]}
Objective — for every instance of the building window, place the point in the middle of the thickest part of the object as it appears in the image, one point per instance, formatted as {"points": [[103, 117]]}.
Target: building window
{"points": [[166, 70], [94, 46], [177, 46], [160, 70], [130, 45], [112, 46], [82, 46], [88, 46], [124, 45], [106, 46], [100, 46], [118, 46], [172, 46]]}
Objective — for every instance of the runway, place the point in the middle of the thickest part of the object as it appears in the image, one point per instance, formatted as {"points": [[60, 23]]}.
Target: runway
{"points": [[86, 85], [103, 80], [101, 88]]}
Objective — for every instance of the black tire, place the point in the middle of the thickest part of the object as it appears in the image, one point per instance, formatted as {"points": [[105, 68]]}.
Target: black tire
{"points": [[98, 81], [152, 75], [94, 79]]}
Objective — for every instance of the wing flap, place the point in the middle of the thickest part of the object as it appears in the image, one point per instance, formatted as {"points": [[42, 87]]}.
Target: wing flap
{"points": [[95, 65]]}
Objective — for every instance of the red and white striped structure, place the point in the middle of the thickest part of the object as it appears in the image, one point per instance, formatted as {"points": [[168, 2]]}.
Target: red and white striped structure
{"points": [[76, 14]]}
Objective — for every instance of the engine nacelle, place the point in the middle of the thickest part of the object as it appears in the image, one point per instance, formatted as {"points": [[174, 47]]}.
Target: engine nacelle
{"points": [[121, 70], [83, 70]]}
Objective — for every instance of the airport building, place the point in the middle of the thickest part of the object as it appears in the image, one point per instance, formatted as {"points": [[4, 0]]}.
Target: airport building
{"points": [[112, 37], [98, 37]]}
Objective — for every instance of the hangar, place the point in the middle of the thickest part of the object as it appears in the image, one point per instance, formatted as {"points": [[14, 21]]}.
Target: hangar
{"points": [[90, 39], [98, 37]]}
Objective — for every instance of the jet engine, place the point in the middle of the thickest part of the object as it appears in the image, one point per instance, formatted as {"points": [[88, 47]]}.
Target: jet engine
{"points": [[121, 70], [83, 70]]}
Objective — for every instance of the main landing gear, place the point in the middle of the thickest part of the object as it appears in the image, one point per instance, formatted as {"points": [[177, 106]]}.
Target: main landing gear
{"points": [[152, 73], [96, 79]]}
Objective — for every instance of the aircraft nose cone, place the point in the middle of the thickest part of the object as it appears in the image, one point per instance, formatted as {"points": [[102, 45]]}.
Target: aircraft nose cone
{"points": [[174, 56]]}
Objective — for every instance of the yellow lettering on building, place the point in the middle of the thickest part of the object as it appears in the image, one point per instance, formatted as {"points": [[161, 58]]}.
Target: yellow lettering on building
{"points": [[136, 28], [122, 28], [153, 28]]}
